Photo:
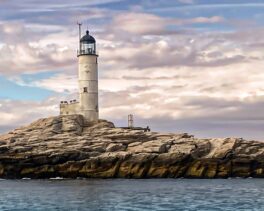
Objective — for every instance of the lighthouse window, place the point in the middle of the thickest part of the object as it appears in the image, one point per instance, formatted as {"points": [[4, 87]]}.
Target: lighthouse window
{"points": [[88, 48], [85, 89]]}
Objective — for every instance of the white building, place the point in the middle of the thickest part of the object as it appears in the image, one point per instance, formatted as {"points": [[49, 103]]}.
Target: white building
{"points": [[88, 82]]}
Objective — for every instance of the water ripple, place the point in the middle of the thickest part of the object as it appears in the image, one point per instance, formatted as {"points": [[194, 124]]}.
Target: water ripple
{"points": [[163, 194]]}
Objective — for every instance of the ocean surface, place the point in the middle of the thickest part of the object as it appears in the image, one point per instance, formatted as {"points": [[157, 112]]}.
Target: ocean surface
{"points": [[121, 194]]}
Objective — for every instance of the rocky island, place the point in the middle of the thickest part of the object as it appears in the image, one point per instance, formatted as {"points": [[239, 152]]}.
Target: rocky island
{"points": [[68, 147]]}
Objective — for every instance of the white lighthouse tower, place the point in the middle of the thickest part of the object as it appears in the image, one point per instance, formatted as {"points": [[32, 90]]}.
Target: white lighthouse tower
{"points": [[88, 82], [88, 78]]}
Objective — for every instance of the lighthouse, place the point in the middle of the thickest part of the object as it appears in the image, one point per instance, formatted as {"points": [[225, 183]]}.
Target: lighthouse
{"points": [[87, 80], [88, 77]]}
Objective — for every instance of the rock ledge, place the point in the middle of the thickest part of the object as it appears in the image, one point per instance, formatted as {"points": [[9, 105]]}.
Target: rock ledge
{"points": [[66, 146]]}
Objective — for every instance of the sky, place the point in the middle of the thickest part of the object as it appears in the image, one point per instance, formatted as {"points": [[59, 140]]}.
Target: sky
{"points": [[192, 66]]}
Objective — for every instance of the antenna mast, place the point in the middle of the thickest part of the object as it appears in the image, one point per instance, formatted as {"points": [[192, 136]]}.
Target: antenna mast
{"points": [[80, 34]]}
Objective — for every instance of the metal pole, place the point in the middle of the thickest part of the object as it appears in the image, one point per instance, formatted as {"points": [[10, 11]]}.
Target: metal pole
{"points": [[80, 34], [130, 121]]}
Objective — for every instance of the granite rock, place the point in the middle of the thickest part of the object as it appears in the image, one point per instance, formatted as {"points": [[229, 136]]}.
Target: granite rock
{"points": [[70, 147]]}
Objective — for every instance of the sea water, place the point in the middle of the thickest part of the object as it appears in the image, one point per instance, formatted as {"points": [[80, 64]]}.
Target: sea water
{"points": [[122, 194]]}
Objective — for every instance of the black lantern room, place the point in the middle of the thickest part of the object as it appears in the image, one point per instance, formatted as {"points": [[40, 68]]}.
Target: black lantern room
{"points": [[87, 45]]}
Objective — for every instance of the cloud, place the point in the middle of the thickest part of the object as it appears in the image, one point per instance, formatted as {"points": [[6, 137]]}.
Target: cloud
{"points": [[139, 23], [174, 51], [204, 7], [24, 50], [43, 41], [40, 47], [17, 113], [59, 83], [213, 19], [144, 23], [186, 1]]}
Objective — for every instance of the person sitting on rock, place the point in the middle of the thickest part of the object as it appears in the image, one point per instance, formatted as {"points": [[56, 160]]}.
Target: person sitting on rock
{"points": [[147, 129]]}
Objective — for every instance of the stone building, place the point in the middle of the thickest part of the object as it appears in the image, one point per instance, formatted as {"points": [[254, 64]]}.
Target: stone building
{"points": [[88, 82]]}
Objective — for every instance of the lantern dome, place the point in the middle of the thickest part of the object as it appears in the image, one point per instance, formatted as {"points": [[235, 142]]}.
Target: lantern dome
{"points": [[87, 38]]}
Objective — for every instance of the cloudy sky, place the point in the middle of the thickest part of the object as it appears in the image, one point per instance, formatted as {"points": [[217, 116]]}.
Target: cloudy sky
{"points": [[191, 66]]}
